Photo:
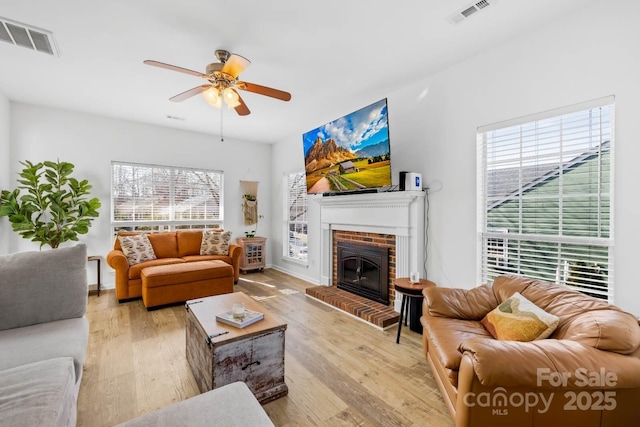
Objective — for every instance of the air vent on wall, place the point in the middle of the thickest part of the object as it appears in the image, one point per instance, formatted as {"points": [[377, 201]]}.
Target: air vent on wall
{"points": [[470, 10], [26, 36]]}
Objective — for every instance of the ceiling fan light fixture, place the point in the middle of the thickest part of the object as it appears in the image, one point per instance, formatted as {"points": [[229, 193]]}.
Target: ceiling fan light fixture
{"points": [[212, 96], [223, 83], [231, 98]]}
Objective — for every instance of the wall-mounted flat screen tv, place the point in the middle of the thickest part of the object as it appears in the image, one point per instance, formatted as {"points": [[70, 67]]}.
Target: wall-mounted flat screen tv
{"points": [[351, 153]]}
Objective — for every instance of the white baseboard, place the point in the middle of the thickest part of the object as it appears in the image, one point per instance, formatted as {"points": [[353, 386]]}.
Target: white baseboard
{"points": [[309, 279]]}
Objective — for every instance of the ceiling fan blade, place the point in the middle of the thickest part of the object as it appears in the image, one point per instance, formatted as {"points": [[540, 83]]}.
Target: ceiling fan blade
{"points": [[189, 93], [235, 65], [175, 68], [242, 109], [263, 90]]}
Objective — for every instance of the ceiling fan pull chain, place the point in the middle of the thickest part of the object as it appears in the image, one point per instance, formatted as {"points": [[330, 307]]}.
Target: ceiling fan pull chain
{"points": [[221, 136]]}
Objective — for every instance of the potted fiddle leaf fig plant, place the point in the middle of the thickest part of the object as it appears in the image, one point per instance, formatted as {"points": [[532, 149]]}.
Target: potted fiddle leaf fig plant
{"points": [[49, 206]]}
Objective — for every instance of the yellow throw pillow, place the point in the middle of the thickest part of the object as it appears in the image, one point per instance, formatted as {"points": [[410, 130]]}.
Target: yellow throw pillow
{"points": [[137, 248], [215, 242], [518, 319]]}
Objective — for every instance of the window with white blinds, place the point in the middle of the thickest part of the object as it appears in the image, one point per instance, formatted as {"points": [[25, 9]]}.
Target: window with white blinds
{"points": [[545, 204], [295, 216], [162, 198]]}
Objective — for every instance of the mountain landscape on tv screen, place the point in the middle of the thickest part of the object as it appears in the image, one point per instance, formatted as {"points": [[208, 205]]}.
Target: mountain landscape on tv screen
{"points": [[379, 149], [350, 153], [324, 154]]}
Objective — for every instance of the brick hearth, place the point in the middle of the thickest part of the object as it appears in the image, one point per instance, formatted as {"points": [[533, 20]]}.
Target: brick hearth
{"points": [[363, 308]]}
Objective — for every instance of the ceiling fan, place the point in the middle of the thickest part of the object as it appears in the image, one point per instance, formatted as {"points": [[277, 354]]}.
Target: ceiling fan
{"points": [[223, 83]]}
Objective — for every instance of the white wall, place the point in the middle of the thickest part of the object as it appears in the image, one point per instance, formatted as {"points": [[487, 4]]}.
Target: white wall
{"points": [[288, 157], [91, 142], [5, 115], [433, 126]]}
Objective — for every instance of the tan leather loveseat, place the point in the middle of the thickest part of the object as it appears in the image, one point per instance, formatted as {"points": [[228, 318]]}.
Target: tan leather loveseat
{"points": [[170, 248], [586, 373]]}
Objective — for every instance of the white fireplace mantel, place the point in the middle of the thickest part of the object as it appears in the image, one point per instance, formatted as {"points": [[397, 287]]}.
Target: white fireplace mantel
{"points": [[400, 213]]}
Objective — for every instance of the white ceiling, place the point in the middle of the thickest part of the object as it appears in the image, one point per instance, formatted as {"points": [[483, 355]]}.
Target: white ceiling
{"points": [[330, 54]]}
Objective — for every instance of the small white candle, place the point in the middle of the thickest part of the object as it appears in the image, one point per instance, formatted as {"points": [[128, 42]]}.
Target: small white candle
{"points": [[238, 310]]}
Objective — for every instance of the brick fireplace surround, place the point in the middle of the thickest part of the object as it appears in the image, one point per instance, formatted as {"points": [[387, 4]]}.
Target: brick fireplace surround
{"points": [[394, 220]]}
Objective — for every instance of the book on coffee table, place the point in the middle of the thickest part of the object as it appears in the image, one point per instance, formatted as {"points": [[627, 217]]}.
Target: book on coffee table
{"points": [[247, 319]]}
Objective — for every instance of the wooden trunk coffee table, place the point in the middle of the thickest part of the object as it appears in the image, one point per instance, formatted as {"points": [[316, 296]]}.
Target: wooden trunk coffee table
{"points": [[220, 354]]}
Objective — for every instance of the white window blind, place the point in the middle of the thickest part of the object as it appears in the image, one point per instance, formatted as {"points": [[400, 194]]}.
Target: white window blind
{"points": [[545, 204], [159, 198], [296, 216]]}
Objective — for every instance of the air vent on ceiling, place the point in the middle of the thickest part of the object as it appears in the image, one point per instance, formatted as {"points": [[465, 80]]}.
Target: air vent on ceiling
{"points": [[26, 36], [470, 10]]}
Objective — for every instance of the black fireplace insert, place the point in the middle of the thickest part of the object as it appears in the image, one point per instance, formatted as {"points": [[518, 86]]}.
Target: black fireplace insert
{"points": [[364, 270]]}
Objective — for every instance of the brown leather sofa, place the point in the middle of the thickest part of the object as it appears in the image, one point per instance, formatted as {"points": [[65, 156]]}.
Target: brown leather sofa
{"points": [[586, 373], [170, 248]]}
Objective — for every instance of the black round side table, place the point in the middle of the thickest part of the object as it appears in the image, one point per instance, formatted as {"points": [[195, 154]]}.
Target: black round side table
{"points": [[413, 291]]}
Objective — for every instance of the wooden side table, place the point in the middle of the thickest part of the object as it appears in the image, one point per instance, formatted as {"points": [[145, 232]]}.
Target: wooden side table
{"points": [[97, 259], [254, 253], [413, 291]]}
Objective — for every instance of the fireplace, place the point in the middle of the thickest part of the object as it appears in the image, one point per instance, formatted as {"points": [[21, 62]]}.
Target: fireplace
{"points": [[363, 270], [394, 219]]}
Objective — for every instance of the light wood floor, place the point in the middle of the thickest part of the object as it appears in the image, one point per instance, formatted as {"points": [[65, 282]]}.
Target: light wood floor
{"points": [[339, 370]]}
